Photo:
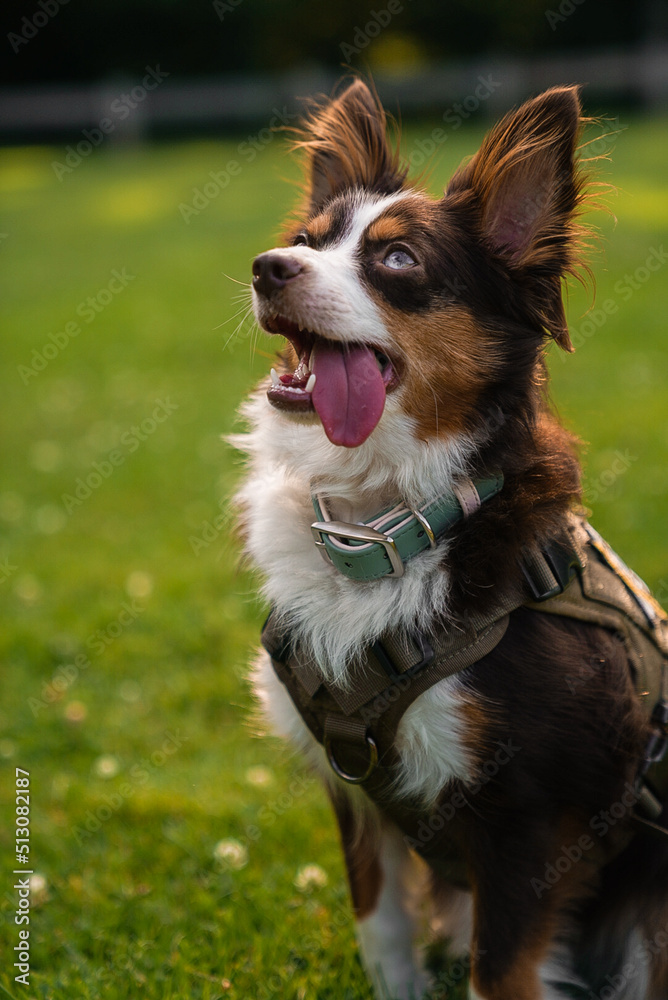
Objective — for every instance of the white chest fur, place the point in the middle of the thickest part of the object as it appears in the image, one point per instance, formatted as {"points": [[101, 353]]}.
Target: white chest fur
{"points": [[331, 615]]}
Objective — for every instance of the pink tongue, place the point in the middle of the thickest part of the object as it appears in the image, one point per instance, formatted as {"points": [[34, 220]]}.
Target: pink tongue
{"points": [[349, 392]]}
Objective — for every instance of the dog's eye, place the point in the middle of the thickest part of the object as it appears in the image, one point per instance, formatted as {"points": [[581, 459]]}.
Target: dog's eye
{"points": [[301, 240], [399, 260]]}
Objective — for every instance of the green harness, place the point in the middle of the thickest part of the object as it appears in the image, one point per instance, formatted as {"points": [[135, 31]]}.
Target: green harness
{"points": [[582, 579]]}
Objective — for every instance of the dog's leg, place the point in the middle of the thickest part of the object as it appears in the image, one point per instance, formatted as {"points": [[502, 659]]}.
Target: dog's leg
{"points": [[452, 920], [384, 882], [519, 919]]}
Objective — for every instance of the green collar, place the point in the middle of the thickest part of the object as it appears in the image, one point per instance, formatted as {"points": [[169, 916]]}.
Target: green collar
{"points": [[380, 547]]}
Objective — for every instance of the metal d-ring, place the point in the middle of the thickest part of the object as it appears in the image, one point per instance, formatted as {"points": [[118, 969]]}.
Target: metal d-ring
{"points": [[352, 779]]}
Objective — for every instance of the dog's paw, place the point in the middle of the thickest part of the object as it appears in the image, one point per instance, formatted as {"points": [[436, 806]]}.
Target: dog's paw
{"points": [[402, 984]]}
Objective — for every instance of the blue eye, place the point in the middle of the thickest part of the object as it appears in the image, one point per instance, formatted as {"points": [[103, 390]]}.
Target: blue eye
{"points": [[399, 260]]}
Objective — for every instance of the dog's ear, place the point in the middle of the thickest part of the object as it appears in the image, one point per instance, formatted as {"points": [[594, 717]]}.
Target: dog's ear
{"points": [[346, 145], [527, 188]]}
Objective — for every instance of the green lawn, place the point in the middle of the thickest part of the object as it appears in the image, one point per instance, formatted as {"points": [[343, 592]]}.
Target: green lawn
{"points": [[128, 624]]}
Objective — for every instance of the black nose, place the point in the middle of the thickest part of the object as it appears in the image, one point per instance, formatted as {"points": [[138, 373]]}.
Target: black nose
{"points": [[272, 271]]}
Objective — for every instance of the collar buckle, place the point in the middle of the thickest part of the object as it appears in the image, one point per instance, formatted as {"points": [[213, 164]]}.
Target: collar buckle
{"points": [[345, 532], [381, 546]]}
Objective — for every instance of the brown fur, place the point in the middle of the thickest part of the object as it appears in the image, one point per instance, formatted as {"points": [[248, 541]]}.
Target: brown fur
{"points": [[494, 380], [387, 229], [471, 320], [532, 150], [359, 841], [353, 125], [320, 226], [449, 338]]}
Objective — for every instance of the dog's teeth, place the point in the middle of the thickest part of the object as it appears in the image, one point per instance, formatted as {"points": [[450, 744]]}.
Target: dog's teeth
{"points": [[310, 383], [274, 377]]}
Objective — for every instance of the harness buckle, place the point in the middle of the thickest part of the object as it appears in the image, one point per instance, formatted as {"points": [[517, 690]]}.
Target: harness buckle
{"points": [[357, 533], [549, 571], [424, 648], [657, 742], [660, 716]]}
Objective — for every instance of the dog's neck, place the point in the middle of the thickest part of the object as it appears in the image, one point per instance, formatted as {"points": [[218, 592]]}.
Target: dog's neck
{"points": [[312, 599]]}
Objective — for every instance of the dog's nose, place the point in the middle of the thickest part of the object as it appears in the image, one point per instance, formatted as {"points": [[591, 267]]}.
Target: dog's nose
{"points": [[272, 271]]}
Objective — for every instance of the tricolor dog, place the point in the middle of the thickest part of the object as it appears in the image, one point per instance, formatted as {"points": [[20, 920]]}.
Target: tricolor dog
{"points": [[476, 676]]}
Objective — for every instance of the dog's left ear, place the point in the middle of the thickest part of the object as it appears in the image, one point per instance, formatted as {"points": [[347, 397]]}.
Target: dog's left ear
{"points": [[527, 189], [346, 145]]}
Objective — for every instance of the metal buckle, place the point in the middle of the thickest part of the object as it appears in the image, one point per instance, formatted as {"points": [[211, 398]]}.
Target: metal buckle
{"points": [[419, 516], [358, 533], [352, 779]]}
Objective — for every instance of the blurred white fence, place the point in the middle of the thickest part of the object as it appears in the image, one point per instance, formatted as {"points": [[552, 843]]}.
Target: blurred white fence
{"points": [[640, 75]]}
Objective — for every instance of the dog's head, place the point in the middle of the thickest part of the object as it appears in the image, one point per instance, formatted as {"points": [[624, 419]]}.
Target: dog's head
{"points": [[397, 306]]}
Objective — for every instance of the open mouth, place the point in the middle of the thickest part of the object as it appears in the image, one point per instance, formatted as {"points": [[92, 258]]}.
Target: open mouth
{"points": [[344, 383]]}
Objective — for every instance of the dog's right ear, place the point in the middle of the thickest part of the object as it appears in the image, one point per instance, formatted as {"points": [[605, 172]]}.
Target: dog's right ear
{"points": [[346, 146]]}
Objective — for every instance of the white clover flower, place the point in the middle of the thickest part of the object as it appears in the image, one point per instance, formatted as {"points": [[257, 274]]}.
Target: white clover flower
{"points": [[106, 766], [311, 877], [139, 584], [232, 852], [38, 888], [259, 776]]}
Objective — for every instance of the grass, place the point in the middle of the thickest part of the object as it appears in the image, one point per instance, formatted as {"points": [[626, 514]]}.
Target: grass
{"points": [[128, 624]]}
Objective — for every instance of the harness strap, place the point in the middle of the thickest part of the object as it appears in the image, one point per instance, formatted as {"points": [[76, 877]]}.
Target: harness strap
{"points": [[653, 773], [395, 670], [359, 738], [612, 595], [357, 725], [390, 674]]}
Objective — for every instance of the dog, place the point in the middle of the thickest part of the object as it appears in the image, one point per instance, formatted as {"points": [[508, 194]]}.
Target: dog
{"points": [[477, 678]]}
